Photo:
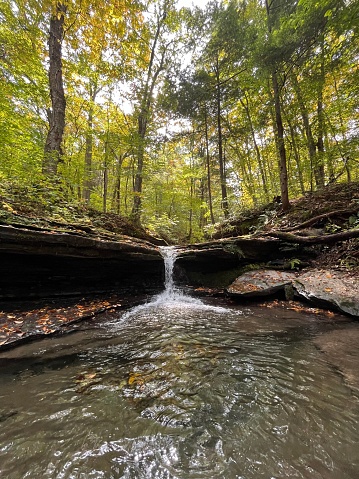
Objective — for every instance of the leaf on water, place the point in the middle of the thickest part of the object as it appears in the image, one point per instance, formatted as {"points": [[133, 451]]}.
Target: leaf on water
{"points": [[135, 378]]}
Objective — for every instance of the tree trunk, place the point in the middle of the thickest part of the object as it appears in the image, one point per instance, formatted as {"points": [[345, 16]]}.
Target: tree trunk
{"points": [[89, 147], [222, 171], [319, 167], [258, 153], [56, 116], [297, 158], [307, 127], [143, 117], [116, 200], [208, 166], [279, 132], [137, 185], [278, 125]]}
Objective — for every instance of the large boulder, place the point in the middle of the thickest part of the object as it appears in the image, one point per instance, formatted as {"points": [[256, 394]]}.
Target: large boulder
{"points": [[329, 289], [261, 283]]}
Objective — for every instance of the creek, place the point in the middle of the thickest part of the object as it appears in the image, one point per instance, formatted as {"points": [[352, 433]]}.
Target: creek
{"points": [[179, 389]]}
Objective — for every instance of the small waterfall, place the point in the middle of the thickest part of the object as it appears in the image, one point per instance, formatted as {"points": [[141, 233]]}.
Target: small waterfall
{"points": [[169, 255], [172, 297]]}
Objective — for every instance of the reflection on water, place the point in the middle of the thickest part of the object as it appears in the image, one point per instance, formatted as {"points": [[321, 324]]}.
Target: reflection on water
{"points": [[179, 390]]}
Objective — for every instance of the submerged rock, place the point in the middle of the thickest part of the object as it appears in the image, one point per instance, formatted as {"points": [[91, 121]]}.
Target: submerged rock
{"points": [[329, 289], [341, 349], [261, 283]]}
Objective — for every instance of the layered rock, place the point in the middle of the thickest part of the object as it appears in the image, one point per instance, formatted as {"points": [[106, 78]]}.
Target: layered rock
{"points": [[37, 263], [261, 283], [329, 289]]}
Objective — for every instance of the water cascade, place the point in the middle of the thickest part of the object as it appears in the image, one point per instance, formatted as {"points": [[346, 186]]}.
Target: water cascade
{"points": [[169, 255], [171, 297]]}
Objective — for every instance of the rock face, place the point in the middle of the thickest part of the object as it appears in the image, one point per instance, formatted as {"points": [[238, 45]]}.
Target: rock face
{"points": [[47, 263], [219, 263], [323, 288], [329, 289], [260, 283]]}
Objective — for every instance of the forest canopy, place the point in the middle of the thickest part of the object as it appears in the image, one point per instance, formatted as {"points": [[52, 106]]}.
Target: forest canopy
{"points": [[178, 117]]}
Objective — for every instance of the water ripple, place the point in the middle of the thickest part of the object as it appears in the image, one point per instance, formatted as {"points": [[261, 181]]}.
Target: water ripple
{"points": [[180, 394]]}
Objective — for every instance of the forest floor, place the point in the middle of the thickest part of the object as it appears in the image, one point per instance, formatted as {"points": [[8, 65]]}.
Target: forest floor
{"points": [[47, 211], [334, 209]]}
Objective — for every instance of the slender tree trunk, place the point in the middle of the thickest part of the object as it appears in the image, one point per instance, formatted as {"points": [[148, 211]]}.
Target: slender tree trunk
{"points": [[257, 150], [297, 158], [202, 217], [56, 116], [343, 135], [117, 188], [138, 180], [89, 147], [105, 179], [222, 171], [106, 164], [143, 118], [307, 126], [319, 167], [278, 125], [279, 132], [208, 167]]}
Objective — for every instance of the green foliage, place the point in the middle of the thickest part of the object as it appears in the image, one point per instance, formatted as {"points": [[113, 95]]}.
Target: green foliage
{"points": [[294, 263], [227, 46]]}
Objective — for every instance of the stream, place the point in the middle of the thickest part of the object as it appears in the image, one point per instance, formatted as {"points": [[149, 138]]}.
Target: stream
{"points": [[180, 388]]}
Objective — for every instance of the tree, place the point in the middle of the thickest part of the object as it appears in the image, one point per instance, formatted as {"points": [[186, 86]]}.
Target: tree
{"points": [[56, 115], [158, 46]]}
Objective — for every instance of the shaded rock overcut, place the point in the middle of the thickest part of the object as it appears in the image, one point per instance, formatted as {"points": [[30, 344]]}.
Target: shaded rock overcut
{"points": [[50, 263]]}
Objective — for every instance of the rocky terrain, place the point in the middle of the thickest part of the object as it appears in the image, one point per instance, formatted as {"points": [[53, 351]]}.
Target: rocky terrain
{"points": [[310, 253]]}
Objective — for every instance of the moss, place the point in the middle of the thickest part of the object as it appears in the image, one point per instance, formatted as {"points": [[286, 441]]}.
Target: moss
{"points": [[234, 249]]}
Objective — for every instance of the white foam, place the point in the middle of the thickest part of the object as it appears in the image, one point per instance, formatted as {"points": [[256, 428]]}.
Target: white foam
{"points": [[172, 297]]}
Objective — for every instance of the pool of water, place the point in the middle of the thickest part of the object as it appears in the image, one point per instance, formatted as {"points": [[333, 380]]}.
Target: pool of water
{"points": [[180, 389]]}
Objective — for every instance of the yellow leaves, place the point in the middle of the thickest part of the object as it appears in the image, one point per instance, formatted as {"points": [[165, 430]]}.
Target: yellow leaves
{"points": [[8, 207], [135, 379], [85, 380]]}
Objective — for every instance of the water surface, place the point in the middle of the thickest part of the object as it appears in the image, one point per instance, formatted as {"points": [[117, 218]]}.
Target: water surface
{"points": [[179, 390]]}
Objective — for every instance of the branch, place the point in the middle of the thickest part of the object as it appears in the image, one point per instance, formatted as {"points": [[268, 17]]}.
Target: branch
{"points": [[322, 239], [328, 215]]}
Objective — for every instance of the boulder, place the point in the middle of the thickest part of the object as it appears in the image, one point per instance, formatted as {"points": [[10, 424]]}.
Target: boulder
{"points": [[261, 283], [329, 289]]}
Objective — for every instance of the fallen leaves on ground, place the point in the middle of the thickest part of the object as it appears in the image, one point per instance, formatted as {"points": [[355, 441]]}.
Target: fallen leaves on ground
{"points": [[298, 307], [49, 319]]}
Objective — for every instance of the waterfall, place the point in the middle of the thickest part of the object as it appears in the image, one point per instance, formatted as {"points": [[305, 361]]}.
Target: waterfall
{"points": [[169, 255], [172, 297]]}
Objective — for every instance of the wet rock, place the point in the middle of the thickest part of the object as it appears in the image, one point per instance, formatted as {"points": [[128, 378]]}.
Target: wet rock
{"points": [[261, 283], [329, 289]]}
